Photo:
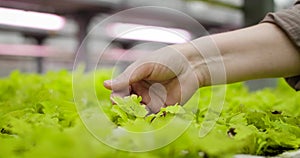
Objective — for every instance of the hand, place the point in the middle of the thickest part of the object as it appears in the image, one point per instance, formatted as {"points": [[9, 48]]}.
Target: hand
{"points": [[172, 74], [163, 78]]}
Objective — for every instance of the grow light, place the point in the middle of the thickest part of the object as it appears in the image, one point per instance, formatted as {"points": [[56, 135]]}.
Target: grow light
{"points": [[30, 19], [148, 33]]}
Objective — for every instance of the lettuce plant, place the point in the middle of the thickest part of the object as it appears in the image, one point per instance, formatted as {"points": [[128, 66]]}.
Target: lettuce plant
{"points": [[38, 118]]}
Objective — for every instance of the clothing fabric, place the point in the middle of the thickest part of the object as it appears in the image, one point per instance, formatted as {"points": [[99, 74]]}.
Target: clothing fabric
{"points": [[289, 22]]}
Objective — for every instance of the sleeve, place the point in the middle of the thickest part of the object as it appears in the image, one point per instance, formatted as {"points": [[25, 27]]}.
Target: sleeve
{"points": [[289, 22]]}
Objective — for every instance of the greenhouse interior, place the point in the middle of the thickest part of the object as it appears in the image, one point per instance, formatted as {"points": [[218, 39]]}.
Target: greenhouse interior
{"points": [[113, 78]]}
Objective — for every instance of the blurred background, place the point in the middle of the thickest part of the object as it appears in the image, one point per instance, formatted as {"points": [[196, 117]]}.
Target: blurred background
{"points": [[42, 35]]}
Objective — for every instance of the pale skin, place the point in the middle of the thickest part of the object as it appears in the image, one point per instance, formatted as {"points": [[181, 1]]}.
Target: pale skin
{"points": [[260, 51]]}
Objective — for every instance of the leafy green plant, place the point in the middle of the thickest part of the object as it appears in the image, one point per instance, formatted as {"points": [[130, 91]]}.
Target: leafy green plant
{"points": [[38, 118]]}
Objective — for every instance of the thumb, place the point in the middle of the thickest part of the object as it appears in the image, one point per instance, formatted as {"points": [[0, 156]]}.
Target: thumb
{"points": [[120, 82], [131, 75]]}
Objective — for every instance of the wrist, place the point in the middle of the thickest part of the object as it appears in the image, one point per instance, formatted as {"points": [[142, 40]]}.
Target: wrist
{"points": [[193, 52]]}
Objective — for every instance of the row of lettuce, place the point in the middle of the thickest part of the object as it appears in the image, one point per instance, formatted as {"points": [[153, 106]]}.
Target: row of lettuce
{"points": [[39, 118]]}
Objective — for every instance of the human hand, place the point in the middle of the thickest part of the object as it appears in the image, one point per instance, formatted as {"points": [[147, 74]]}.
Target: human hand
{"points": [[163, 78], [172, 74]]}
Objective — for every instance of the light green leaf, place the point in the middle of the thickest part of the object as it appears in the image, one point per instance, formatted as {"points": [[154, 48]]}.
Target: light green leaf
{"points": [[131, 105]]}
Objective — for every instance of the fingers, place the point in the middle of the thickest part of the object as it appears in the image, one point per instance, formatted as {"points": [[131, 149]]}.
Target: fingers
{"points": [[121, 86], [158, 96], [121, 93], [154, 95], [142, 89], [119, 83], [139, 79], [132, 74]]}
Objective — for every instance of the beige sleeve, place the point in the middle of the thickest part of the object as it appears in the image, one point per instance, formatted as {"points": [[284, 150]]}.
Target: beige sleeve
{"points": [[289, 22]]}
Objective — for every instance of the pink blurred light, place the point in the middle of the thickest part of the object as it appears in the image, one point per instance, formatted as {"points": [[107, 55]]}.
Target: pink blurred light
{"points": [[148, 33], [30, 50], [30, 19]]}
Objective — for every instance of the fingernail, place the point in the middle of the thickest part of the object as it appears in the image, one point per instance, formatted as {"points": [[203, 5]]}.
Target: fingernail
{"points": [[107, 82]]}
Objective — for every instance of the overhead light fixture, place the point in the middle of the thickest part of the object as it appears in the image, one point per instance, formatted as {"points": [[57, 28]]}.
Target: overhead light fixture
{"points": [[30, 19], [148, 33]]}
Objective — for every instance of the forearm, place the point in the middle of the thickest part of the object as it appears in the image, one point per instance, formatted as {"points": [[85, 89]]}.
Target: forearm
{"points": [[261, 51]]}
